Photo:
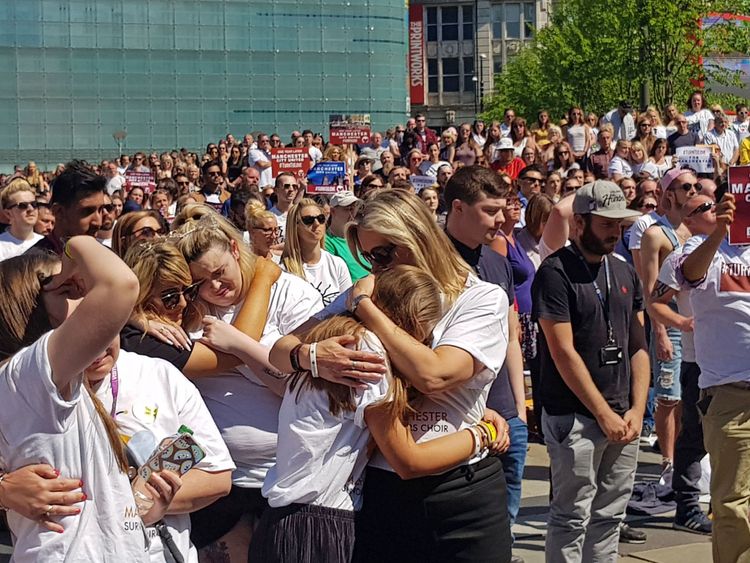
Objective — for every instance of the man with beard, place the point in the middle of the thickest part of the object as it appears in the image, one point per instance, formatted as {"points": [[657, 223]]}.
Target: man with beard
{"points": [[659, 240], [109, 216], [77, 203], [594, 378]]}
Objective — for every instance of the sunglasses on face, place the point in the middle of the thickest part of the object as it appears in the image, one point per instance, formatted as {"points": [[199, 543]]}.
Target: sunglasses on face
{"points": [[687, 186], [24, 205], [290, 186], [310, 219], [148, 232], [380, 255], [649, 206], [171, 298], [534, 180], [702, 208], [108, 207], [268, 230], [216, 173]]}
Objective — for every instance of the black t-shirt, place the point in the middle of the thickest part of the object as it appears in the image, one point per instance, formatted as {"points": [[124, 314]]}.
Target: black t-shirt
{"points": [[563, 291], [493, 267], [676, 140], [133, 340]]}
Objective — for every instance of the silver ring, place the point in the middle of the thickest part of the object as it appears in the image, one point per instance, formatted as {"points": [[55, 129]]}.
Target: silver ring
{"points": [[46, 513], [162, 330], [354, 365]]}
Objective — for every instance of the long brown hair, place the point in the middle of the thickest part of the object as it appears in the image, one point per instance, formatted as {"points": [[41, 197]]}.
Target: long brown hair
{"points": [[24, 320], [411, 298]]}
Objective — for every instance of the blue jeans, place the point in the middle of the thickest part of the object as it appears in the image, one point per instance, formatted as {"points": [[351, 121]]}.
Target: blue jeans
{"points": [[513, 462]]}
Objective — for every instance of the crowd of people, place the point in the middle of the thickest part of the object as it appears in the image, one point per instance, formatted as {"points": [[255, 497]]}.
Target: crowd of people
{"points": [[353, 366]]}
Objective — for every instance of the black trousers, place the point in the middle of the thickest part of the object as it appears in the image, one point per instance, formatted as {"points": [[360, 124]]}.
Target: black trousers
{"points": [[459, 516], [689, 448]]}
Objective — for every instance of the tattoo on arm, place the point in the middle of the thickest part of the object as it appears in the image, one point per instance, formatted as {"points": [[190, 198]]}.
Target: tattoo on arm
{"points": [[274, 373], [660, 290]]}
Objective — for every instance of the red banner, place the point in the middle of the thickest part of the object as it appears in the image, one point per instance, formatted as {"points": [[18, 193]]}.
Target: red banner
{"points": [[143, 180], [293, 160], [416, 54], [349, 129], [739, 186]]}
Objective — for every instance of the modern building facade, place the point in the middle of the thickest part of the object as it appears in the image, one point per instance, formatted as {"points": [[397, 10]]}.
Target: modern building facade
{"points": [[182, 73], [464, 45]]}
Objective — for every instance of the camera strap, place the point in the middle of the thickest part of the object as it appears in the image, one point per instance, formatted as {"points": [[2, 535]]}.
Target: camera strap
{"points": [[602, 299]]}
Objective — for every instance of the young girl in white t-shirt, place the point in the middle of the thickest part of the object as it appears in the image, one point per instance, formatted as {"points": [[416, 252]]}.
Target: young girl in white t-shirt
{"points": [[48, 413], [315, 487]]}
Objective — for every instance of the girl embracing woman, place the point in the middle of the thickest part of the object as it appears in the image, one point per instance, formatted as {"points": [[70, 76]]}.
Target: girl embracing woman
{"points": [[451, 515], [324, 430]]}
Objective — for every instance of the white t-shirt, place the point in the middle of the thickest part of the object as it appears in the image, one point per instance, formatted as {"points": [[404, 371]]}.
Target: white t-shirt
{"points": [[624, 126], [721, 308], [280, 220], [648, 167], [329, 276], [577, 137], [639, 227], [741, 129], [428, 168], [321, 458], [315, 155], [245, 410], [698, 122], [668, 276], [477, 323], [154, 396], [10, 246], [662, 168], [37, 425], [253, 158], [115, 183], [621, 166]]}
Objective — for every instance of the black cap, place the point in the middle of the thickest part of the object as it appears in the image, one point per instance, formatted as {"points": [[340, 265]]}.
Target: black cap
{"points": [[626, 105]]}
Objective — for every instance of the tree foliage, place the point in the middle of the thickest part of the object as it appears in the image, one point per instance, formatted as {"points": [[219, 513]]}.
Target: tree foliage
{"points": [[595, 53]]}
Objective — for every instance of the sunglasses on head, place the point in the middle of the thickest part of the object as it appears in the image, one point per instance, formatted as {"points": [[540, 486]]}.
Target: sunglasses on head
{"points": [[171, 298], [380, 255], [24, 205], [149, 232], [310, 219], [702, 208]]}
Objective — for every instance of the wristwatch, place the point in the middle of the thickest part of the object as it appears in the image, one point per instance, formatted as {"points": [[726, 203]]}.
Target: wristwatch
{"points": [[356, 301]]}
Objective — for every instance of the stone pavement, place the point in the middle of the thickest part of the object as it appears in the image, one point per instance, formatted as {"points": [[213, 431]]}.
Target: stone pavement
{"points": [[664, 545]]}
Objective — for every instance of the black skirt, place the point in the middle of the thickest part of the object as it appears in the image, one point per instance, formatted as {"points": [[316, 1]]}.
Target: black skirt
{"points": [[459, 516], [303, 533]]}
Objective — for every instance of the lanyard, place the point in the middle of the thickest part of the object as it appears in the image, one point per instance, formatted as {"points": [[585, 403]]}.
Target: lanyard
{"points": [[114, 381], [604, 302]]}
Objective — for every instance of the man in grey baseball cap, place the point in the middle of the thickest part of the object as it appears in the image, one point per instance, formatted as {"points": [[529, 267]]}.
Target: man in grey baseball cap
{"points": [[594, 377]]}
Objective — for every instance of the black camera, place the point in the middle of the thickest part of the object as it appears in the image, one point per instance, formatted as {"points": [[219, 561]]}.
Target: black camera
{"points": [[610, 355]]}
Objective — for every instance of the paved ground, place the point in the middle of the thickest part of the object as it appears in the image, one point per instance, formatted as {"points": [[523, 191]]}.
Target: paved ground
{"points": [[664, 544]]}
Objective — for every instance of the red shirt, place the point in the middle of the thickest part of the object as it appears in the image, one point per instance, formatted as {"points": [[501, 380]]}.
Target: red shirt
{"points": [[513, 169]]}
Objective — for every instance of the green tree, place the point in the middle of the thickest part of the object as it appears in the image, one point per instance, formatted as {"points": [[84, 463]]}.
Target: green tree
{"points": [[595, 53]]}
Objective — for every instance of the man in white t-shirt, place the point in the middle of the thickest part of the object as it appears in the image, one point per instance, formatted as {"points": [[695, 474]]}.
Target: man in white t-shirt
{"points": [[315, 154], [718, 276], [115, 180], [286, 190], [260, 159], [19, 203], [622, 121]]}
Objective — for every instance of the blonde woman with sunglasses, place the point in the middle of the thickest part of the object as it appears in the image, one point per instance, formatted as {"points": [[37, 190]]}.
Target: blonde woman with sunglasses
{"points": [[304, 255]]}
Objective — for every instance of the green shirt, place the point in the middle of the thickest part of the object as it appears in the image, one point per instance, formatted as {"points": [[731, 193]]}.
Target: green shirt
{"points": [[338, 247]]}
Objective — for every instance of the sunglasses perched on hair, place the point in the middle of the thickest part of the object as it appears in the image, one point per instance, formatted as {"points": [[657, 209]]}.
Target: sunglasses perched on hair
{"points": [[24, 205], [380, 255], [171, 298], [702, 208], [310, 219], [148, 232]]}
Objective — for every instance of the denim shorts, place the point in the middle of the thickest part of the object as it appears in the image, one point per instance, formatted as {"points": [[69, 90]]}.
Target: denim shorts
{"points": [[666, 375]]}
